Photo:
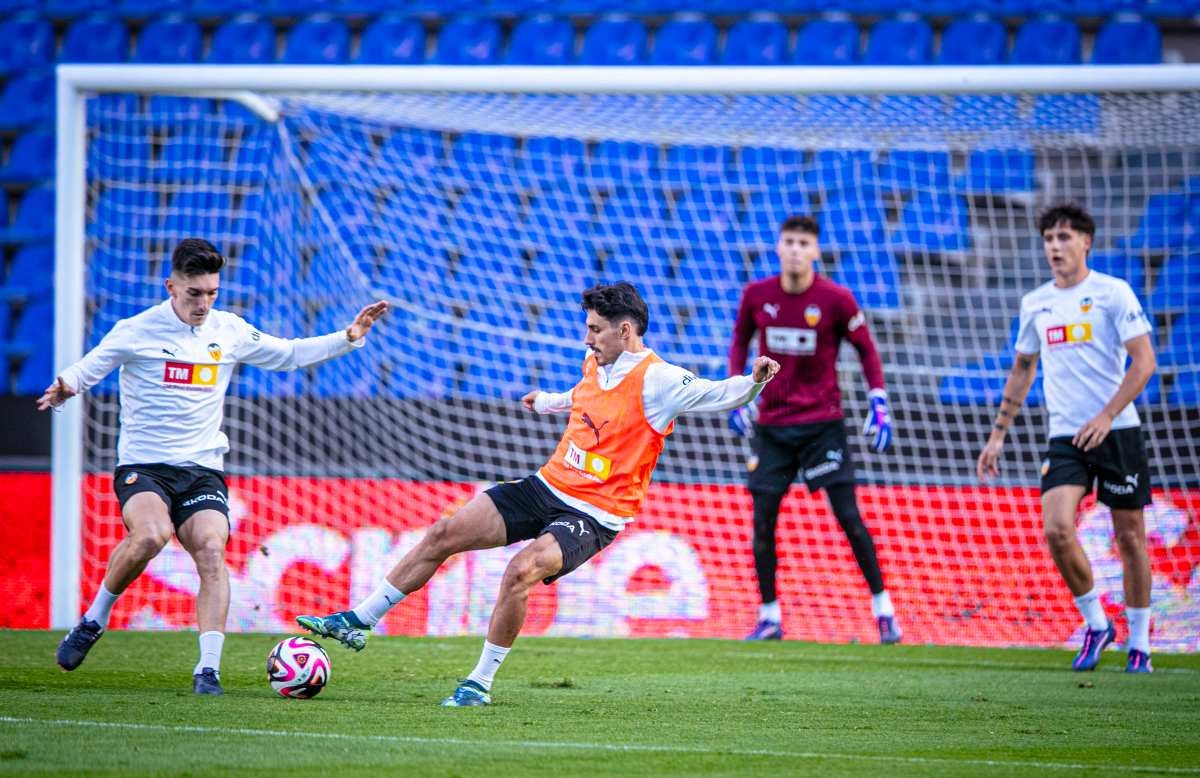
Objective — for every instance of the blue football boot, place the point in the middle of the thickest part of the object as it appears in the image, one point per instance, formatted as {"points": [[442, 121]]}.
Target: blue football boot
{"points": [[1094, 643], [468, 695]]}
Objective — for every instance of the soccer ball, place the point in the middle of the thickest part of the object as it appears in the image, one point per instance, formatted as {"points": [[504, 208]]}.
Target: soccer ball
{"points": [[298, 667]]}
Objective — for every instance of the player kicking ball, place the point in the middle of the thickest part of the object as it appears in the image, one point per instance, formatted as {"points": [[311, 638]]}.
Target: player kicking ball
{"points": [[176, 361], [621, 412], [1084, 324]]}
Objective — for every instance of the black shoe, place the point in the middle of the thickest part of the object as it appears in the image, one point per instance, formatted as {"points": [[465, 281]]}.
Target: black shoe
{"points": [[207, 682], [78, 642]]}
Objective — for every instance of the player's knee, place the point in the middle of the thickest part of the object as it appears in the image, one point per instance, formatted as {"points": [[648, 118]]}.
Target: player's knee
{"points": [[210, 557], [439, 538], [146, 542], [1059, 537], [1130, 541], [522, 573]]}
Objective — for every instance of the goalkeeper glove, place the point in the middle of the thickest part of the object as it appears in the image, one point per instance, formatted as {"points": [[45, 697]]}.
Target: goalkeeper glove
{"points": [[741, 420], [879, 421]]}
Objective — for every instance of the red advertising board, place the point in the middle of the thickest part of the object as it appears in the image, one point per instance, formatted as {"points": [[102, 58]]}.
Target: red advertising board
{"points": [[964, 566]]}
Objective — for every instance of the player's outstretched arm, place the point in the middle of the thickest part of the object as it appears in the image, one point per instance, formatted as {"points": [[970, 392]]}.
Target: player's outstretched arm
{"points": [[1020, 379], [764, 370], [365, 319], [55, 395]]}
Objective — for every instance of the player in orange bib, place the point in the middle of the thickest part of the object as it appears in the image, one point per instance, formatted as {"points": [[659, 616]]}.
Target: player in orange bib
{"points": [[621, 412]]}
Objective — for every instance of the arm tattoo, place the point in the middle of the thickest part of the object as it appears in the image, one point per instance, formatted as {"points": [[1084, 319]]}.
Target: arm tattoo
{"points": [[1023, 364]]}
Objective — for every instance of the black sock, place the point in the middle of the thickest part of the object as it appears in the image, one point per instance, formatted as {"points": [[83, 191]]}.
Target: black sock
{"points": [[766, 516], [845, 508]]}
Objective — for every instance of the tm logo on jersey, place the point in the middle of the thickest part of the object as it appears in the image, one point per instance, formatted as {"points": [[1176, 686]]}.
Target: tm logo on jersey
{"points": [[1069, 334], [187, 374], [594, 466]]}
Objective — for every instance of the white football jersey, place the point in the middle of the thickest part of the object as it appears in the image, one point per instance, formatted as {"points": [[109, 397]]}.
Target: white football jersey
{"points": [[1080, 333], [174, 377]]}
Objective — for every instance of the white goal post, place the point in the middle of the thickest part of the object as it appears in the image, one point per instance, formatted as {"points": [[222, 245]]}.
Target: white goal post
{"points": [[255, 87]]}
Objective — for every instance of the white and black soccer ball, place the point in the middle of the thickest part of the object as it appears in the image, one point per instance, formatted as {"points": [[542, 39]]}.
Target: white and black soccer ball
{"points": [[298, 667]]}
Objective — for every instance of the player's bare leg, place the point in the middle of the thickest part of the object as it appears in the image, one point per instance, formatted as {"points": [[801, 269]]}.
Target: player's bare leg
{"points": [[148, 529], [1129, 528], [204, 535], [536, 562], [1059, 506], [476, 525]]}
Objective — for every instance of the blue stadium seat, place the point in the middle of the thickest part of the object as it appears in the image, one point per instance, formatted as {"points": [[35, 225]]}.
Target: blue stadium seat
{"points": [[852, 222], [703, 217], [999, 171], [37, 372], [31, 158], [393, 41], [840, 170], [696, 165], [469, 41], [1183, 347], [614, 42], [193, 156], [909, 111], [35, 218], [553, 158], [756, 42], [255, 383], [625, 161], [28, 44], [632, 215], [33, 331], [982, 383], [1047, 42], [934, 222], [685, 42], [1164, 224], [317, 41], [66, 9], [541, 40], [1128, 267], [95, 39], [5, 325], [907, 170], [827, 42], [146, 8], [119, 157], [1127, 43], [838, 111], [169, 41], [900, 42], [765, 212], [28, 101], [1067, 113], [198, 212], [32, 273], [873, 277], [355, 376], [974, 42], [1177, 287], [243, 42], [1185, 390], [767, 166], [128, 212], [985, 112]]}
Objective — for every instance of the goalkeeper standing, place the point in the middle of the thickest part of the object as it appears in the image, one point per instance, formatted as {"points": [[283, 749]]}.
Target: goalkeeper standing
{"points": [[176, 360], [801, 319]]}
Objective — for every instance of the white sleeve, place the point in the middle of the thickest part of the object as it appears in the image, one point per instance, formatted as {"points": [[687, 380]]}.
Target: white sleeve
{"points": [[114, 349], [272, 353], [553, 402], [1128, 315], [1028, 339], [669, 390]]}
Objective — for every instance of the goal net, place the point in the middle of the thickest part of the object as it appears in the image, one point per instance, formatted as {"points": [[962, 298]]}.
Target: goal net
{"points": [[481, 215]]}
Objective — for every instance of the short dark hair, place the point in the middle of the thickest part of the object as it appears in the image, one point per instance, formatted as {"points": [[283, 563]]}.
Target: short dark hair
{"points": [[800, 224], [196, 257], [618, 301], [1071, 213]]}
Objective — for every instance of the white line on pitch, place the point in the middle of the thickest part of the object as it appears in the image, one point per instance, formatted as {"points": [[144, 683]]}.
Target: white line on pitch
{"points": [[610, 747], [916, 660]]}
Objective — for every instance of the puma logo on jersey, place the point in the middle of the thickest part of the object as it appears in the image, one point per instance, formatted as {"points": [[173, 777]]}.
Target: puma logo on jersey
{"points": [[771, 309], [592, 426]]}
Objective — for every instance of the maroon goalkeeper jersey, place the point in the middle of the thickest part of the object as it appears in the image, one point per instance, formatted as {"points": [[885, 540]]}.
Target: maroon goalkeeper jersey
{"points": [[802, 332]]}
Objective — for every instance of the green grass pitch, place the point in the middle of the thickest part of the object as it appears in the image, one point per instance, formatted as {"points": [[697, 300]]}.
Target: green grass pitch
{"points": [[598, 707]]}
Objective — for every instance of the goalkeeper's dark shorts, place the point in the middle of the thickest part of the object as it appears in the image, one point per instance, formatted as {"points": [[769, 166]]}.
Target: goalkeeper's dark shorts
{"points": [[816, 451], [1117, 469], [530, 509]]}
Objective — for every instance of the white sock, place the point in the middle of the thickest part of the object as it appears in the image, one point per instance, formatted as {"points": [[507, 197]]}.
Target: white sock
{"points": [[1139, 628], [1093, 612], [211, 644], [881, 605], [769, 611], [376, 606], [489, 662], [101, 607]]}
